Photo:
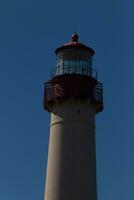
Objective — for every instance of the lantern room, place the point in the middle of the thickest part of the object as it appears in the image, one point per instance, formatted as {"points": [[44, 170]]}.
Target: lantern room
{"points": [[74, 58]]}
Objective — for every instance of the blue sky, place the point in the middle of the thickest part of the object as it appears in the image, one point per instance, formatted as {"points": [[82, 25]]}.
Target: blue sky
{"points": [[30, 31]]}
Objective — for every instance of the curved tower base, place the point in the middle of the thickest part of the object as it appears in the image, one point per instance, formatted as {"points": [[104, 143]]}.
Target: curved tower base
{"points": [[71, 170]]}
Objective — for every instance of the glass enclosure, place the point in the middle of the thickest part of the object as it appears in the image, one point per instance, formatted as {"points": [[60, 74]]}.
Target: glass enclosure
{"points": [[74, 61]]}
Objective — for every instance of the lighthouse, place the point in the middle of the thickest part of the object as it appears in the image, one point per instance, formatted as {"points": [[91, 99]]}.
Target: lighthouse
{"points": [[73, 96]]}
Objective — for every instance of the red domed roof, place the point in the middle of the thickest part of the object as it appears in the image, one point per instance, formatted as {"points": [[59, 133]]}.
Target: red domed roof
{"points": [[75, 44]]}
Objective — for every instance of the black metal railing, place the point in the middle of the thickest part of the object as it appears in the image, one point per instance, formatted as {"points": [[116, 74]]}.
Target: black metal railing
{"points": [[81, 70], [98, 92], [67, 91]]}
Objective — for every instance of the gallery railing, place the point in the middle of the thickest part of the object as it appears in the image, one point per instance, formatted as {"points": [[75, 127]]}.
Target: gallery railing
{"points": [[81, 70]]}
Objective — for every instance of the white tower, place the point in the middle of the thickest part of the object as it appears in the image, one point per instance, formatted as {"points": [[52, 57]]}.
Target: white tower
{"points": [[73, 96]]}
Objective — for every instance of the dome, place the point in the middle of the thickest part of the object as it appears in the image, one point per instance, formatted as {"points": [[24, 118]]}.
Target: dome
{"points": [[75, 44]]}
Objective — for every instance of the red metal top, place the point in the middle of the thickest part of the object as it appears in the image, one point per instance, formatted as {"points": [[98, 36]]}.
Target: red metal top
{"points": [[75, 37], [75, 44]]}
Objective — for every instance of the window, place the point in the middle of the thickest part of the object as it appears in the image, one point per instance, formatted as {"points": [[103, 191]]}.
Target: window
{"points": [[74, 66], [59, 62]]}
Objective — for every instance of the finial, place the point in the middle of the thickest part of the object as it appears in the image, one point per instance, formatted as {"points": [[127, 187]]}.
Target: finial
{"points": [[75, 37]]}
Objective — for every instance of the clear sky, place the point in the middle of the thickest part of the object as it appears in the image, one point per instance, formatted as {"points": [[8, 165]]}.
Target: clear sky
{"points": [[29, 33]]}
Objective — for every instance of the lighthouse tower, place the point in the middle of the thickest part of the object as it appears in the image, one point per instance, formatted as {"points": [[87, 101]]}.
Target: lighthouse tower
{"points": [[73, 96]]}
